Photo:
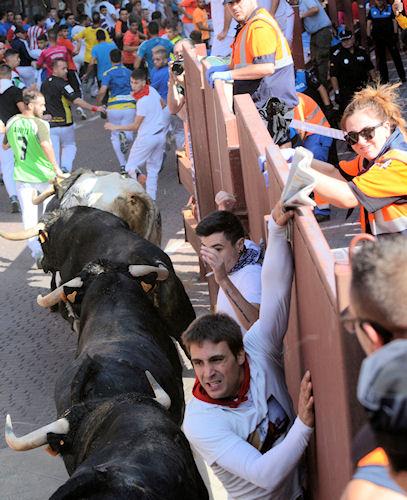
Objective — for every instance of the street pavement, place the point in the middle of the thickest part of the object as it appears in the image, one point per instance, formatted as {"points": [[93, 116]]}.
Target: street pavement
{"points": [[36, 344]]}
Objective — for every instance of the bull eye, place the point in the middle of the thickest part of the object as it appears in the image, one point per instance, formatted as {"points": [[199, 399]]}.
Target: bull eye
{"points": [[62, 442], [147, 287]]}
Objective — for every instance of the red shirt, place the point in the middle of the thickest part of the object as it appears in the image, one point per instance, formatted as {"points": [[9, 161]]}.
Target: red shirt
{"points": [[132, 40], [51, 53], [64, 42]]}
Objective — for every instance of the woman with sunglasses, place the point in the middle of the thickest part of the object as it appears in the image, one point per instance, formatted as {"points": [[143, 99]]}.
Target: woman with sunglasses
{"points": [[377, 177]]}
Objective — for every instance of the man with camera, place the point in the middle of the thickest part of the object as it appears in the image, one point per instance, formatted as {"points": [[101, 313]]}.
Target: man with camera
{"points": [[176, 97]]}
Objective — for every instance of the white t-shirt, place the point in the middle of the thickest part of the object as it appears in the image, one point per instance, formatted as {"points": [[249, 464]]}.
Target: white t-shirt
{"points": [[220, 434], [110, 22], [283, 12], [149, 106], [248, 281]]}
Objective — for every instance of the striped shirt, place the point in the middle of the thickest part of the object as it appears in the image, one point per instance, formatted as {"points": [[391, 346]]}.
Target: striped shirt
{"points": [[33, 33]]}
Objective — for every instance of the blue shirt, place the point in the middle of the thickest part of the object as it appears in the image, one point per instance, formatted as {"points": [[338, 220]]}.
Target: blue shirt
{"points": [[145, 50], [117, 80], [314, 23], [101, 52], [3, 29], [159, 80]]}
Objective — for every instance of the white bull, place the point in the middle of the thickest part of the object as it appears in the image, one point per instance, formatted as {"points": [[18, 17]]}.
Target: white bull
{"points": [[114, 193]]}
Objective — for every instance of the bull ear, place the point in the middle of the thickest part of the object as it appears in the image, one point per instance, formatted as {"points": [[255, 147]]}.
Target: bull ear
{"points": [[42, 236]]}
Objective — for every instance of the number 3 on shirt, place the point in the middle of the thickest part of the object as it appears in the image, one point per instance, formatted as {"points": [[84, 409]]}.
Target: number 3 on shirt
{"points": [[23, 142]]}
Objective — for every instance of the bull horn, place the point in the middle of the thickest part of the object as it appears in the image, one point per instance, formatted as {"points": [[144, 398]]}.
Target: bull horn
{"points": [[38, 199], [56, 295], [160, 395], [36, 438], [25, 234], [141, 270]]}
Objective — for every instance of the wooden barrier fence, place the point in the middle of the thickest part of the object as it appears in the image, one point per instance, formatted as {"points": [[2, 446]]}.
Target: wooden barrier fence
{"points": [[241, 157]]}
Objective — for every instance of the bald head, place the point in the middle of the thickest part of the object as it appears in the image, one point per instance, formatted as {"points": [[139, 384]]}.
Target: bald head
{"points": [[179, 47]]}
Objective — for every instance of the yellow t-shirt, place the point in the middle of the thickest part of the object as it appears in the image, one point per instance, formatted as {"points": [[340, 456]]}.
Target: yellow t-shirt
{"points": [[89, 35]]}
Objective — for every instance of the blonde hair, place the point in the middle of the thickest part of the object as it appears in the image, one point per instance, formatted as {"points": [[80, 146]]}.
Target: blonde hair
{"points": [[382, 100]]}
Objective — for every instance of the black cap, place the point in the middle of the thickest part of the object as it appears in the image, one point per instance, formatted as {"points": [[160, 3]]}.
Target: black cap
{"points": [[345, 35], [382, 387]]}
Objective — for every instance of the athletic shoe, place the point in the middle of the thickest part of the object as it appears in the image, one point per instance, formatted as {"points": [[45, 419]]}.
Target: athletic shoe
{"points": [[124, 145], [81, 113], [123, 170], [64, 170], [15, 207]]}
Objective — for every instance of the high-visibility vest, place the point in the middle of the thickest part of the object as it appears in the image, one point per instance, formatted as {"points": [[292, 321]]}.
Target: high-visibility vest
{"points": [[376, 457], [242, 54], [393, 217], [307, 110]]}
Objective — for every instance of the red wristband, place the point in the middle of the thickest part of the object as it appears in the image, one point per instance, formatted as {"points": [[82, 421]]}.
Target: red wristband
{"points": [[94, 109]]}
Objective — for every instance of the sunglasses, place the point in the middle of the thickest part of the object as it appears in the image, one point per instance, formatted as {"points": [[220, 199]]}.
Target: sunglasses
{"points": [[367, 133]]}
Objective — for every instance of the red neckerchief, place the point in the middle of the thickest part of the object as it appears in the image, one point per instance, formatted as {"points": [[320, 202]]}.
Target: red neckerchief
{"points": [[141, 93], [199, 392]]}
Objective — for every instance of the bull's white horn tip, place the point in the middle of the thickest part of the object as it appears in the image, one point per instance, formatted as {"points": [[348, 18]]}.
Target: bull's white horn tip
{"points": [[9, 425]]}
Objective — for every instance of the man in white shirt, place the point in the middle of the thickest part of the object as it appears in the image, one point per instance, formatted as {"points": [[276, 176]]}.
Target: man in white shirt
{"points": [[150, 125], [241, 419], [236, 265], [224, 29]]}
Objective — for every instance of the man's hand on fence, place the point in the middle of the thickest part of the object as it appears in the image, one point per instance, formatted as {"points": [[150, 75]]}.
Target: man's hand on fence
{"points": [[215, 69], [280, 217], [306, 401]]}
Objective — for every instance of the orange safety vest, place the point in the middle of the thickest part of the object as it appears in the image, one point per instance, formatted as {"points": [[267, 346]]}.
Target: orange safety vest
{"points": [[307, 110], [376, 457], [242, 53], [393, 217]]}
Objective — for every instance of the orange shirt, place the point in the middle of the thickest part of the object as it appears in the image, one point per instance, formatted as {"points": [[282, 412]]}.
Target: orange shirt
{"points": [[189, 6], [70, 48], [133, 40], [201, 16]]}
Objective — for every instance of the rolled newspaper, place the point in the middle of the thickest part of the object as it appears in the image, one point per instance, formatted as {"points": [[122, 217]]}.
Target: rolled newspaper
{"points": [[300, 182]]}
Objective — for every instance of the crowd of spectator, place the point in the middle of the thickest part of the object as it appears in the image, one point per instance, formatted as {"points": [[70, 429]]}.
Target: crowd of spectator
{"points": [[130, 57]]}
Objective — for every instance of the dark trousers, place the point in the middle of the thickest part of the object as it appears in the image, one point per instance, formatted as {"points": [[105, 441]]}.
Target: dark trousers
{"points": [[381, 46]]}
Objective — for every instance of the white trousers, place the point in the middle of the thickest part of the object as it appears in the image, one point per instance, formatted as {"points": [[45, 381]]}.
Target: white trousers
{"points": [[7, 168], [27, 73], [178, 132], [148, 151], [63, 141], [120, 117], [30, 212], [287, 27], [221, 48], [188, 29]]}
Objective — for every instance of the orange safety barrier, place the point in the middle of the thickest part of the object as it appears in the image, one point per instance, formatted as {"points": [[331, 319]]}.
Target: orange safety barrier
{"points": [[314, 340]]}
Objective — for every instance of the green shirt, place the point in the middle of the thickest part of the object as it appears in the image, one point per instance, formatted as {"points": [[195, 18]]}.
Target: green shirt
{"points": [[25, 134]]}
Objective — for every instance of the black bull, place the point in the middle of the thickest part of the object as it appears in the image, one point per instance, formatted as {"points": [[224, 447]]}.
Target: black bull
{"points": [[79, 235], [120, 443]]}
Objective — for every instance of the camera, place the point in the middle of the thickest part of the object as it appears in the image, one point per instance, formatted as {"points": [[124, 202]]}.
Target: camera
{"points": [[178, 67]]}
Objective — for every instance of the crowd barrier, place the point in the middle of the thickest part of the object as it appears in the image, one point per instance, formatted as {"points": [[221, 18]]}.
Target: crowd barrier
{"points": [[233, 151]]}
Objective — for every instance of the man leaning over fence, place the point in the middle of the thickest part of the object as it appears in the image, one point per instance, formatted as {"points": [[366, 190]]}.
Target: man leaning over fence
{"points": [[241, 419], [261, 66]]}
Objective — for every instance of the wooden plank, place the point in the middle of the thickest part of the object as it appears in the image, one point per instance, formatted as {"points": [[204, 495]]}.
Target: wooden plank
{"points": [[185, 174]]}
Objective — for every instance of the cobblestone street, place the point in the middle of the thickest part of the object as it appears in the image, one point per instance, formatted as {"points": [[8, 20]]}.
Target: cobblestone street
{"points": [[36, 344]]}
